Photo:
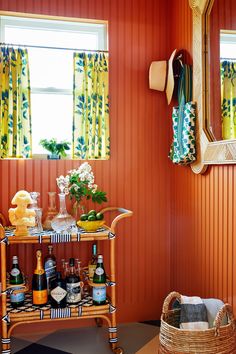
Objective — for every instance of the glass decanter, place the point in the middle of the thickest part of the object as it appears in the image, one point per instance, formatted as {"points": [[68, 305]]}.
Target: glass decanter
{"points": [[51, 212], [62, 222], [38, 213]]}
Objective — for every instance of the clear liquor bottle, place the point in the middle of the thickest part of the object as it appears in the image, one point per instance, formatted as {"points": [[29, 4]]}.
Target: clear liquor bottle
{"points": [[73, 285], [66, 269], [77, 266]]}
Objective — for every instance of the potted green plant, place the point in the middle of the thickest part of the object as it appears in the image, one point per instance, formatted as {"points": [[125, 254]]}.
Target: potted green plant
{"points": [[56, 149]]}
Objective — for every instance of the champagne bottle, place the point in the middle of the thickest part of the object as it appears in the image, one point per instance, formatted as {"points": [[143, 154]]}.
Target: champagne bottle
{"points": [[50, 266], [99, 292], [73, 285], [39, 283], [16, 278], [58, 292], [93, 262]]}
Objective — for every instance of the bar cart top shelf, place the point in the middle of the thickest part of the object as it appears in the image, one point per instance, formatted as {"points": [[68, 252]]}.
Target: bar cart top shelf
{"points": [[104, 233]]}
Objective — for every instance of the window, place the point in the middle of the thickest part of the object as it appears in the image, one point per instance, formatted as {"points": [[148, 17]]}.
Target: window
{"points": [[51, 44], [227, 45]]}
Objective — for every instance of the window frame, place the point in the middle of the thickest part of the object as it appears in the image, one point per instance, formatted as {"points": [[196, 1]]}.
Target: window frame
{"points": [[28, 20]]}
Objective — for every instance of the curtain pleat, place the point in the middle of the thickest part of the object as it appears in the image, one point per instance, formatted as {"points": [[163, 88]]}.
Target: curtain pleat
{"points": [[228, 99], [90, 137], [15, 115]]}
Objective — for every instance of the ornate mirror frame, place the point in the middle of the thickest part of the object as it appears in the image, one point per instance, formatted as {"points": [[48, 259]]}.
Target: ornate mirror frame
{"points": [[208, 152]]}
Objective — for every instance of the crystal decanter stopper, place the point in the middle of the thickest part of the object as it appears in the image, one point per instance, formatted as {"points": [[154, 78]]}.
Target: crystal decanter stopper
{"points": [[51, 212], [38, 213], [63, 221]]}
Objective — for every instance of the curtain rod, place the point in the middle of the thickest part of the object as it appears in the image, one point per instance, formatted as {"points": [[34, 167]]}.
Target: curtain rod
{"points": [[230, 59], [45, 47]]}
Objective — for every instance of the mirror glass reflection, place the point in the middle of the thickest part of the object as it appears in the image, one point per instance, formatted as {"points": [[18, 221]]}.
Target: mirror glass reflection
{"points": [[221, 70]]}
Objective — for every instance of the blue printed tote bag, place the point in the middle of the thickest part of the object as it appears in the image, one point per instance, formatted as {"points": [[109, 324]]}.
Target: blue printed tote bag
{"points": [[183, 148]]}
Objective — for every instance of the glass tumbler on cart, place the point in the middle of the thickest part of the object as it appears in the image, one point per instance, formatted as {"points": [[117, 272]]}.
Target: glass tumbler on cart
{"points": [[38, 213]]}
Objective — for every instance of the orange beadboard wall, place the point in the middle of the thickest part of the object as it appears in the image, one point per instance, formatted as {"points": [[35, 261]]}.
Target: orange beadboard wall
{"points": [[137, 176], [181, 234], [203, 212], [222, 17]]}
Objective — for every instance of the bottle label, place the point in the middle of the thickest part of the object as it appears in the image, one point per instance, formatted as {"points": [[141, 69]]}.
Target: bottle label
{"points": [[99, 293], [50, 268], [91, 269], [40, 297], [58, 294], [14, 298], [73, 293], [99, 271], [15, 272]]}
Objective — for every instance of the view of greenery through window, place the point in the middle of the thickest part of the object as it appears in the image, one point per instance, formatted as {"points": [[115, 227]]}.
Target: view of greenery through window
{"points": [[51, 69]]}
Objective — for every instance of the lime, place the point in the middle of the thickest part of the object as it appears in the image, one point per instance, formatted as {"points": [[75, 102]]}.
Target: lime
{"points": [[91, 217], [84, 217], [92, 212], [99, 216]]}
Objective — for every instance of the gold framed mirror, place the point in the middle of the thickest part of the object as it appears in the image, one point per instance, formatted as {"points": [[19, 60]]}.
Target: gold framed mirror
{"points": [[207, 93]]}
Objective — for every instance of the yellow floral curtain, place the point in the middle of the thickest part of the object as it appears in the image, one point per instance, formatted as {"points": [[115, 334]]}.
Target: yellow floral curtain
{"points": [[228, 99], [91, 138], [15, 117]]}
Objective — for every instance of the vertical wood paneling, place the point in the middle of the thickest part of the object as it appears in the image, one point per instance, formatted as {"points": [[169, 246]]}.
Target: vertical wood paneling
{"points": [[137, 176], [222, 17], [203, 212]]}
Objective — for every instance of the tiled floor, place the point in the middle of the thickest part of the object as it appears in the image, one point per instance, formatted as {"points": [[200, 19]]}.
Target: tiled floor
{"points": [[140, 338]]}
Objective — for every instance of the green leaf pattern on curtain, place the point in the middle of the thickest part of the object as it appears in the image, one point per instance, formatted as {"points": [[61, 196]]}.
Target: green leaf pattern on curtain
{"points": [[228, 99], [90, 136], [15, 117]]}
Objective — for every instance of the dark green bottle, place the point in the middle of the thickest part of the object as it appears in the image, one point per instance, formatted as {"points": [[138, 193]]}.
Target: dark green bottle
{"points": [[99, 292], [16, 278], [58, 292]]}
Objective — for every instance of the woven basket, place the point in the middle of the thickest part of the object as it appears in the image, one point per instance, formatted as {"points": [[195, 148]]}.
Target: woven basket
{"points": [[173, 340]]}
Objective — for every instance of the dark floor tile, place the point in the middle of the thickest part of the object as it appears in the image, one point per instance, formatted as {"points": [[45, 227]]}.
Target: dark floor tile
{"points": [[153, 322], [40, 349]]}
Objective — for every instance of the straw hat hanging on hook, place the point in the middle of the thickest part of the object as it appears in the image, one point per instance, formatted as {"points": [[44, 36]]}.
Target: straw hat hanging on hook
{"points": [[162, 76]]}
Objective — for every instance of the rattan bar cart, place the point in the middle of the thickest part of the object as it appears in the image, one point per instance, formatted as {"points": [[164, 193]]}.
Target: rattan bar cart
{"points": [[11, 318]]}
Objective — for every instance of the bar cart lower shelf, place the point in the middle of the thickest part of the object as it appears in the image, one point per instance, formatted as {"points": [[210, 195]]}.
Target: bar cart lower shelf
{"points": [[28, 313]]}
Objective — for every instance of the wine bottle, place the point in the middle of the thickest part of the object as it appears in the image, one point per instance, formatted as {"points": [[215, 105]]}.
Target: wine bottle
{"points": [[93, 262], [99, 277], [73, 285], [50, 266], [16, 278], [39, 282], [58, 292]]}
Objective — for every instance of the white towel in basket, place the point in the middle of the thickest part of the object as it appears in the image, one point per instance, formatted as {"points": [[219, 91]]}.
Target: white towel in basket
{"points": [[193, 314]]}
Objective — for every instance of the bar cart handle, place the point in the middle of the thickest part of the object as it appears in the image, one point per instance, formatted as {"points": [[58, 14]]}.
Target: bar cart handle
{"points": [[124, 213]]}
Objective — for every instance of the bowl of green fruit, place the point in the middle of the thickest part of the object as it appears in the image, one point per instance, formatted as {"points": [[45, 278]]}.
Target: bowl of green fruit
{"points": [[91, 221]]}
